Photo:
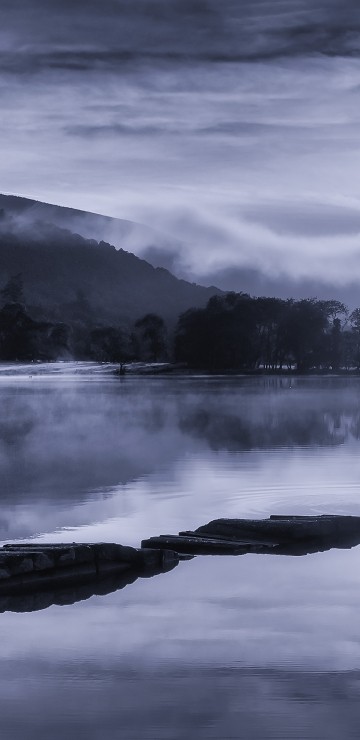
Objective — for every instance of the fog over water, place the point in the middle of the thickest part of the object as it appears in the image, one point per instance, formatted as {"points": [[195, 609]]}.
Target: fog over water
{"points": [[220, 647], [72, 445]]}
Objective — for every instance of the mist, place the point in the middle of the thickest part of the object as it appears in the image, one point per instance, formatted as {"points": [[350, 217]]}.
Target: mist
{"points": [[233, 130], [75, 450]]}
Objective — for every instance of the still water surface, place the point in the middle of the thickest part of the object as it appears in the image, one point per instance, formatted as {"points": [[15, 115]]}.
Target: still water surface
{"points": [[250, 647]]}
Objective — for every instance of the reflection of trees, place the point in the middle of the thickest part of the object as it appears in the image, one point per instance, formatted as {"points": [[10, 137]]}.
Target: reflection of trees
{"points": [[63, 444], [233, 431], [13, 432], [354, 425], [17, 421], [60, 443]]}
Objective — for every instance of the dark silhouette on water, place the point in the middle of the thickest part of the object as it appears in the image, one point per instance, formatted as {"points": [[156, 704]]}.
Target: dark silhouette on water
{"points": [[65, 595], [34, 575], [278, 535]]}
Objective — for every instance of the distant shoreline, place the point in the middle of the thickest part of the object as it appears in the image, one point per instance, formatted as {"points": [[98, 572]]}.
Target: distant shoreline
{"points": [[57, 368]]}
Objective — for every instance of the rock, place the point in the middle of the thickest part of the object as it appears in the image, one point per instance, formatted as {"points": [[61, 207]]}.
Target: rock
{"points": [[283, 530], [16, 562], [278, 535], [196, 545], [158, 559], [66, 558], [67, 585], [115, 553], [43, 561]]}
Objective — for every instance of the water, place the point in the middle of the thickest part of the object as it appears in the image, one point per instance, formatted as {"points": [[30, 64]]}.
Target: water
{"points": [[250, 647]]}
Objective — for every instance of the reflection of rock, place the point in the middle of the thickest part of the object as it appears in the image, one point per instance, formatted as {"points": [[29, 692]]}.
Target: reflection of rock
{"points": [[278, 535], [240, 429], [42, 598], [34, 576]]}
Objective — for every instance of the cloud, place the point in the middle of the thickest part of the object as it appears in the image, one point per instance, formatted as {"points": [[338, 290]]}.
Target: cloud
{"points": [[86, 34], [232, 127], [314, 220], [214, 240]]}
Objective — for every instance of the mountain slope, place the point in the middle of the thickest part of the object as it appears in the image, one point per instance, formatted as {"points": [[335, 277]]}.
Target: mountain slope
{"points": [[117, 231], [68, 277]]}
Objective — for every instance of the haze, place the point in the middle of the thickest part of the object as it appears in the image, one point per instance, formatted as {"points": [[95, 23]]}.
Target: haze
{"points": [[231, 127]]}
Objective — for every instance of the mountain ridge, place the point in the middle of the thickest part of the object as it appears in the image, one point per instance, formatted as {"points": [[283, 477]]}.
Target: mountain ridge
{"points": [[65, 273]]}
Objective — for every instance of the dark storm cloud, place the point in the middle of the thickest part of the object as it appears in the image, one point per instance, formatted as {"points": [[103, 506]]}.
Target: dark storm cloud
{"points": [[81, 35]]}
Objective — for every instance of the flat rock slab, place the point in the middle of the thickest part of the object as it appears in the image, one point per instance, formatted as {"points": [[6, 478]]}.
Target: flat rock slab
{"points": [[30, 566], [189, 543], [284, 529], [278, 535]]}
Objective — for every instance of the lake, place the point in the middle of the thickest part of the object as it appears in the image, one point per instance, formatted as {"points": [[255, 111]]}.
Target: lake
{"points": [[251, 647]]}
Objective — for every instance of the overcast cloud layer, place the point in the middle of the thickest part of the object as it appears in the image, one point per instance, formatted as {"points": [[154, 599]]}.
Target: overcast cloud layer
{"points": [[232, 126]]}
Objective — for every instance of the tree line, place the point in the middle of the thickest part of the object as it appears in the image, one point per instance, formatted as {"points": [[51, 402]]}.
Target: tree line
{"points": [[237, 331], [23, 337], [233, 332]]}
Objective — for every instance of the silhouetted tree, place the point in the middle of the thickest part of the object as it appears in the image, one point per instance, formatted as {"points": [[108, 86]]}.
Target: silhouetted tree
{"points": [[223, 335], [354, 320], [22, 338], [109, 344], [270, 314], [149, 338], [305, 326], [237, 331]]}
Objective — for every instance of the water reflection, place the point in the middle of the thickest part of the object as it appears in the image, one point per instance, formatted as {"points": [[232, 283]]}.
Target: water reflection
{"points": [[128, 702], [248, 647], [73, 453], [35, 599]]}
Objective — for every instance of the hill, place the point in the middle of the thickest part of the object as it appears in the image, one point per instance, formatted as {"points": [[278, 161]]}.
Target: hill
{"points": [[67, 276], [119, 232]]}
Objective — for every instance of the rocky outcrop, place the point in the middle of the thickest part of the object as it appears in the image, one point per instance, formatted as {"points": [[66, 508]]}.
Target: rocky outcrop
{"points": [[36, 575], [278, 535], [27, 567], [64, 592]]}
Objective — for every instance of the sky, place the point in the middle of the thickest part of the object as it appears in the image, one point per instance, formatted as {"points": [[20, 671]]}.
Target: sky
{"points": [[232, 127]]}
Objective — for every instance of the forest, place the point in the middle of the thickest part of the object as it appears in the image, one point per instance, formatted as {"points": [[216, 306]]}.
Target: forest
{"points": [[233, 332]]}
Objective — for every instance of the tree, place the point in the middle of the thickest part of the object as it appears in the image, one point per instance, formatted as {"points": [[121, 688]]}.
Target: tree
{"points": [[305, 325], [236, 331], [149, 338], [109, 344], [336, 345], [354, 319], [194, 339], [222, 335], [23, 338], [270, 313]]}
